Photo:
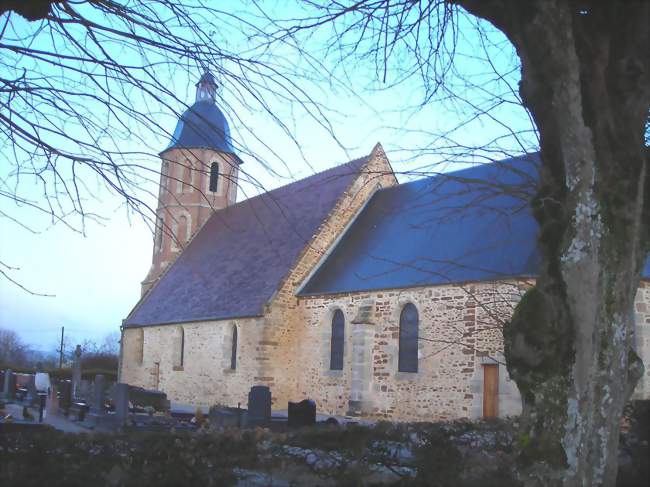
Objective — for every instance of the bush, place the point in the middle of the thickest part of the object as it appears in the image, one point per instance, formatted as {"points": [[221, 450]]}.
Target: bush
{"points": [[134, 459]]}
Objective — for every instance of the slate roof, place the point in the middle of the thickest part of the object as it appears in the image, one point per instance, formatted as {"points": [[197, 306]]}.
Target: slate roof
{"points": [[456, 227], [235, 263], [203, 125]]}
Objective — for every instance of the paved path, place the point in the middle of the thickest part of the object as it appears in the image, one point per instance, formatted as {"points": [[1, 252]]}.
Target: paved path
{"points": [[58, 422]]}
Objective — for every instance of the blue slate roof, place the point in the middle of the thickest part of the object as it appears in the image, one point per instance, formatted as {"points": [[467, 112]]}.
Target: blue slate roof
{"points": [[238, 259], [454, 227], [202, 125]]}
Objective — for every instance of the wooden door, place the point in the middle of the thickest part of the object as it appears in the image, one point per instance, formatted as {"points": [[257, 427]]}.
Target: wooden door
{"points": [[490, 391]]}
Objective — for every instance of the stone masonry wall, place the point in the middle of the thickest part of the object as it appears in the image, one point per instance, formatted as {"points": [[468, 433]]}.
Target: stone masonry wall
{"points": [[205, 378], [280, 368], [459, 330]]}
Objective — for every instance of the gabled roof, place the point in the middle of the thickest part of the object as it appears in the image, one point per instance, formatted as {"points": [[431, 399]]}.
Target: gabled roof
{"points": [[469, 225], [235, 263]]}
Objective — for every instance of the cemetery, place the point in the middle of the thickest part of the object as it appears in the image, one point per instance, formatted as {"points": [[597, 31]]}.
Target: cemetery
{"points": [[114, 434]]}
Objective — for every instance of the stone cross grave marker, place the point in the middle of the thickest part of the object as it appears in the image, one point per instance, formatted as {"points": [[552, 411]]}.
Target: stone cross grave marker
{"points": [[76, 372], [98, 394]]}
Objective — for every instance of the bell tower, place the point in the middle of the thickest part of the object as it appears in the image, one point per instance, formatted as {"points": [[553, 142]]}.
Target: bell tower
{"points": [[198, 176]]}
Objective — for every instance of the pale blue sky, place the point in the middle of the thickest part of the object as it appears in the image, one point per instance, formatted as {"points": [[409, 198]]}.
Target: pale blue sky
{"points": [[95, 278]]}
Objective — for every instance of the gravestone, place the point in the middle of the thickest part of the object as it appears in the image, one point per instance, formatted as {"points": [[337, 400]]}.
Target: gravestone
{"points": [[53, 400], [65, 401], [144, 397], [227, 417], [9, 386], [259, 406], [76, 372], [84, 390], [98, 394], [121, 398], [302, 413], [32, 393]]}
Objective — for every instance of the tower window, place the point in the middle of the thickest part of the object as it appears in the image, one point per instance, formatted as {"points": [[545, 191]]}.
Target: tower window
{"points": [[408, 339], [214, 177], [182, 235], [187, 177], [159, 232], [233, 350], [337, 343]]}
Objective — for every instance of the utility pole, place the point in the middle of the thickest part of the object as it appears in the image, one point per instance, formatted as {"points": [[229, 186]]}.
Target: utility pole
{"points": [[61, 349]]}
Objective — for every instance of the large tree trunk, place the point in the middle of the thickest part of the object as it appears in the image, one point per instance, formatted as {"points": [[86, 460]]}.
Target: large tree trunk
{"points": [[585, 79]]}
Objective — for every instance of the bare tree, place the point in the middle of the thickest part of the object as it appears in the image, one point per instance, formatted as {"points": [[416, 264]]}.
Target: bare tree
{"points": [[85, 87], [13, 352], [585, 81]]}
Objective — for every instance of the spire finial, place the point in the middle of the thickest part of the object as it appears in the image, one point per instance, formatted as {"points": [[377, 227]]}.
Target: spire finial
{"points": [[206, 88]]}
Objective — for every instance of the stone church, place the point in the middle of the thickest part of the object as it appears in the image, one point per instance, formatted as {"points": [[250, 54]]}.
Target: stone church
{"points": [[371, 297]]}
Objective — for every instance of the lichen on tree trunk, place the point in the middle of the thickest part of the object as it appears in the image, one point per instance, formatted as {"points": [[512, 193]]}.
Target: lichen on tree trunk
{"points": [[569, 344]]}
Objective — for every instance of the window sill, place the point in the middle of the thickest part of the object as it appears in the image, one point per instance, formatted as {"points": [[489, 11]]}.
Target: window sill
{"points": [[177, 368], [229, 371], [333, 373], [407, 376]]}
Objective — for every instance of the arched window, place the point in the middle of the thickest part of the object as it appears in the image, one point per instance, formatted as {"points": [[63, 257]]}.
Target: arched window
{"points": [[179, 358], [139, 346], [187, 177], [337, 343], [182, 346], [233, 349], [408, 339], [159, 232], [214, 177], [182, 234], [164, 176]]}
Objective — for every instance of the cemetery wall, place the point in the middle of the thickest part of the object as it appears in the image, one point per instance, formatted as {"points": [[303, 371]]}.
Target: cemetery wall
{"points": [[151, 359]]}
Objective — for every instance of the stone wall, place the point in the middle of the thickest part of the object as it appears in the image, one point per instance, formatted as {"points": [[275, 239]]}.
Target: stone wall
{"points": [[205, 376], [281, 367], [459, 330]]}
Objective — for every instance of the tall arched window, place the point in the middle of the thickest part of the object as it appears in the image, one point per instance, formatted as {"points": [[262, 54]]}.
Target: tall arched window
{"points": [[139, 345], [182, 346], [214, 177], [233, 350], [182, 234], [408, 339], [164, 177], [179, 346], [159, 232], [338, 339], [187, 177]]}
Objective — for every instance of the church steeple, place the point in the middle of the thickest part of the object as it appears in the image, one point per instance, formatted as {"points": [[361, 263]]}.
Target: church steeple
{"points": [[206, 88], [198, 176]]}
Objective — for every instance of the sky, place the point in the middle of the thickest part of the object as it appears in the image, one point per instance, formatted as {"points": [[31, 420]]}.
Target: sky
{"points": [[92, 278]]}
